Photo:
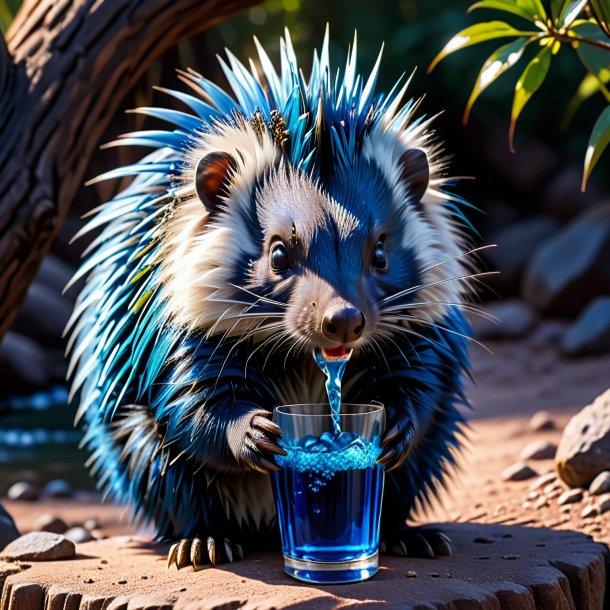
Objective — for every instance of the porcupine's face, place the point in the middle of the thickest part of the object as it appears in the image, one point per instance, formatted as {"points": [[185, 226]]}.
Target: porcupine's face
{"points": [[328, 251]]}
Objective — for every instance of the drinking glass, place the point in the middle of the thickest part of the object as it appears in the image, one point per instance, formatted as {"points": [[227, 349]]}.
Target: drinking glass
{"points": [[328, 491]]}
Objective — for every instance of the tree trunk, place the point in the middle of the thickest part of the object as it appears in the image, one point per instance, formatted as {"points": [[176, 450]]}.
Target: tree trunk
{"points": [[64, 69]]}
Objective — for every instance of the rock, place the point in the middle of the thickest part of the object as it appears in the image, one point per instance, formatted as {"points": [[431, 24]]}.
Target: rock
{"points": [[54, 273], [516, 244], [570, 497], [22, 362], [542, 420], [589, 511], [590, 333], [50, 523], [38, 546], [44, 314], [8, 529], [543, 481], [600, 484], [541, 502], [514, 320], [584, 449], [518, 472], [548, 333], [538, 450], [92, 524], [570, 268], [23, 491], [58, 488], [79, 535], [563, 198], [604, 504]]}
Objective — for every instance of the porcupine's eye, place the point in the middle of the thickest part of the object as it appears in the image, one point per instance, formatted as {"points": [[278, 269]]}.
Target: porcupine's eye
{"points": [[279, 257], [380, 262]]}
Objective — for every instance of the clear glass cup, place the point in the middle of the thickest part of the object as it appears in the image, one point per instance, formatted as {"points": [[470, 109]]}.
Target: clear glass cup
{"points": [[329, 489]]}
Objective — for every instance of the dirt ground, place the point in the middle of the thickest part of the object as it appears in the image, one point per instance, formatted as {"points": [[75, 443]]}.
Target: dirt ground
{"points": [[511, 386]]}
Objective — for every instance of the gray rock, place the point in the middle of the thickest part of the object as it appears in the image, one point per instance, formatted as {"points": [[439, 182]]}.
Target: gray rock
{"points": [[571, 496], [538, 450], [563, 198], [589, 511], [515, 246], [8, 529], [543, 481], [571, 268], [590, 333], [58, 488], [600, 484], [23, 491], [584, 449], [50, 523], [515, 319], [23, 362], [78, 535], [518, 472], [604, 504], [92, 524], [548, 333], [542, 420], [44, 314], [38, 546]]}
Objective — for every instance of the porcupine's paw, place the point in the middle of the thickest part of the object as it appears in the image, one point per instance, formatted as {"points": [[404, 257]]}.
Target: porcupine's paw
{"points": [[424, 542], [203, 552], [255, 441], [396, 443]]}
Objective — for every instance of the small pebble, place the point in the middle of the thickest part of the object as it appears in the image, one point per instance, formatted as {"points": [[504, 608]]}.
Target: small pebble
{"points": [[482, 557], [518, 472], [483, 540], [542, 420], [510, 557], [526, 505], [58, 488], [434, 575], [538, 450], [50, 523], [600, 484], [604, 504], [89, 581], [532, 495], [92, 524], [570, 497], [589, 511], [124, 582], [79, 535], [23, 491], [411, 574], [543, 481]]}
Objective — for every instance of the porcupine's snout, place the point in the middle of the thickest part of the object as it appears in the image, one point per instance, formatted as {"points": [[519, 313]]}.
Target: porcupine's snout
{"points": [[343, 324]]}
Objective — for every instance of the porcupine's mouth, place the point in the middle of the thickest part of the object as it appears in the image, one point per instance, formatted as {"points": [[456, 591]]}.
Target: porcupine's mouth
{"points": [[336, 353]]}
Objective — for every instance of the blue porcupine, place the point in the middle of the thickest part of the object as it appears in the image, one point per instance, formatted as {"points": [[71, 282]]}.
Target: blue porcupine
{"points": [[293, 214]]}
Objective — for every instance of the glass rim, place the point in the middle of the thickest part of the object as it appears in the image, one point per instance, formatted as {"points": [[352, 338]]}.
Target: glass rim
{"points": [[373, 409]]}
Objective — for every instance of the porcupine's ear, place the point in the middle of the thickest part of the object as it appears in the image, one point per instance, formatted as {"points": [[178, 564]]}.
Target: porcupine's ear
{"points": [[415, 173], [212, 176]]}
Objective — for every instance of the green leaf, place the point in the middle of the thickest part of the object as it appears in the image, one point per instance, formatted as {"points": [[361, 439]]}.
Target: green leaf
{"points": [[6, 16], [529, 82], [477, 33], [600, 138], [496, 64], [595, 59], [565, 11], [601, 12], [588, 87], [532, 10]]}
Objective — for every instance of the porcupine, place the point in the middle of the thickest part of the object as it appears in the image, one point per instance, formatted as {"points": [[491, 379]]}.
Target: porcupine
{"points": [[290, 215]]}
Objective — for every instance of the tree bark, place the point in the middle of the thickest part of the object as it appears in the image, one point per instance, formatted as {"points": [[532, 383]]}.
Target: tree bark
{"points": [[64, 69]]}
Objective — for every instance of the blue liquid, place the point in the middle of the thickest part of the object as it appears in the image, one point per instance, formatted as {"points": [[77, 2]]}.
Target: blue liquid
{"points": [[328, 495], [333, 369]]}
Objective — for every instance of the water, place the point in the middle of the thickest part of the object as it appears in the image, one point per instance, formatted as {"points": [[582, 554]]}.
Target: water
{"points": [[333, 369]]}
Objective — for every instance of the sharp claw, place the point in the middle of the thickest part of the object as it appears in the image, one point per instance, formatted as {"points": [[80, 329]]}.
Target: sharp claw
{"points": [[196, 547], [212, 551], [400, 549], [266, 424], [390, 435], [427, 550], [228, 551], [265, 445], [183, 558], [267, 465], [171, 556], [239, 552]]}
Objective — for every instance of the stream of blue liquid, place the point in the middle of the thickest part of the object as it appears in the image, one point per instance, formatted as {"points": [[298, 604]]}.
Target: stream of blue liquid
{"points": [[329, 493]]}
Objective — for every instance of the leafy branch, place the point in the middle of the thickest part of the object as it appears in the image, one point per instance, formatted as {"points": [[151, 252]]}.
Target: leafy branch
{"points": [[583, 25]]}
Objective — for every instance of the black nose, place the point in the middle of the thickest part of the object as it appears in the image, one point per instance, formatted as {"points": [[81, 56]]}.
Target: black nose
{"points": [[343, 325]]}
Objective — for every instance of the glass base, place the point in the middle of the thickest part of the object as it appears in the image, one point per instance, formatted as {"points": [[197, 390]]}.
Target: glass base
{"points": [[332, 573]]}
